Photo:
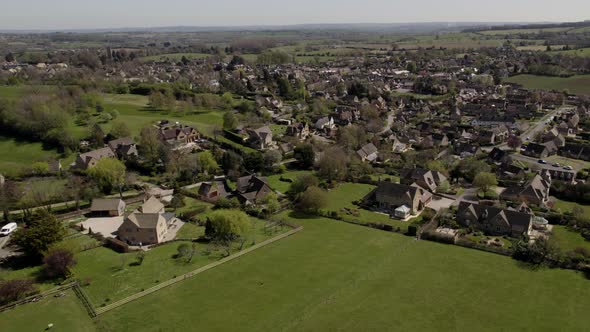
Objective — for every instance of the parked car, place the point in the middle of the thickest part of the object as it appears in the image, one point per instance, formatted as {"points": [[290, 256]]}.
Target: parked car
{"points": [[569, 168], [556, 165], [541, 161], [7, 229]]}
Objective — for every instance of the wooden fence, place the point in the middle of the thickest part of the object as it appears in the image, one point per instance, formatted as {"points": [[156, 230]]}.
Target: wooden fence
{"points": [[36, 297], [114, 305]]}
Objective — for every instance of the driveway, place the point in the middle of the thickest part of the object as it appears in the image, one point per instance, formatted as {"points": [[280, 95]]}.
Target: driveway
{"points": [[106, 226], [438, 203], [5, 251], [173, 229]]}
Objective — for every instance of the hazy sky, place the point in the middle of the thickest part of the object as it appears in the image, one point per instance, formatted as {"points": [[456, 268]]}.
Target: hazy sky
{"points": [[74, 14]]}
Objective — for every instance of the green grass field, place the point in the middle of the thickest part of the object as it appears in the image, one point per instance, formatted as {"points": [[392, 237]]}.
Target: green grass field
{"points": [[568, 240], [523, 31], [175, 56], [65, 313], [283, 186], [342, 197], [566, 206], [579, 84], [336, 276], [581, 52], [134, 112]]}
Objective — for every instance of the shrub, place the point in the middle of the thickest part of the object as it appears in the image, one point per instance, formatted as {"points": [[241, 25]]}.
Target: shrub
{"points": [[117, 245], [13, 290], [57, 263]]}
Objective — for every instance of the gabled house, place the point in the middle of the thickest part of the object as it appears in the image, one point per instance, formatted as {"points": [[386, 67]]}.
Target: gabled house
{"points": [[214, 190], [251, 189], [151, 205], [389, 196], [260, 138], [368, 153], [536, 150], [324, 123], [146, 225], [427, 179], [124, 147], [179, 135], [143, 228], [399, 147], [535, 191], [298, 130], [494, 221], [498, 156], [88, 160]]}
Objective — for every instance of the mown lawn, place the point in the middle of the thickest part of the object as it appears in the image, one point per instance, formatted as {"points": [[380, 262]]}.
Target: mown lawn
{"points": [[336, 276], [343, 196], [283, 186], [566, 206], [114, 276], [579, 84], [65, 313], [568, 240]]}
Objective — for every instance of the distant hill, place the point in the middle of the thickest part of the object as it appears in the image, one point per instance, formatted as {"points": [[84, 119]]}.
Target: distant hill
{"points": [[529, 26], [362, 27]]}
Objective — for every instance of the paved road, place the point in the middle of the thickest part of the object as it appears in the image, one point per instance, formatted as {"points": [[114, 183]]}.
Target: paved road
{"points": [[531, 132], [535, 162]]}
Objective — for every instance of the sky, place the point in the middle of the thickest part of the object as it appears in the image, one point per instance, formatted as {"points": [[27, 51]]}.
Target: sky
{"points": [[85, 14]]}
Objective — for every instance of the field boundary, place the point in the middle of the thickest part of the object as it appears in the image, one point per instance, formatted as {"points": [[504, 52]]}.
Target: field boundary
{"points": [[186, 276], [36, 297]]}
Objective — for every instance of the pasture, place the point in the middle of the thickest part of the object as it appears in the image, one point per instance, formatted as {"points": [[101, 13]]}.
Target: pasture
{"points": [[336, 276], [17, 154], [580, 52], [175, 57], [579, 84], [65, 313]]}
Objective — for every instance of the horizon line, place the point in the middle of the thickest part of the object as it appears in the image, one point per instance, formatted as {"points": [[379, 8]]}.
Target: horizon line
{"points": [[275, 26]]}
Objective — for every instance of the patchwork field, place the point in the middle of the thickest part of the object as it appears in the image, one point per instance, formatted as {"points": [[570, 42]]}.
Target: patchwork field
{"points": [[581, 52], [175, 56], [579, 84]]}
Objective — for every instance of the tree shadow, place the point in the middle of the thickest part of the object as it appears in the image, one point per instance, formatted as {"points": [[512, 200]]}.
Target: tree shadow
{"points": [[302, 215], [18, 262], [529, 266]]}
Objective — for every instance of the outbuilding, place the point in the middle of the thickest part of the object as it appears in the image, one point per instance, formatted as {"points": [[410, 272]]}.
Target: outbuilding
{"points": [[102, 207]]}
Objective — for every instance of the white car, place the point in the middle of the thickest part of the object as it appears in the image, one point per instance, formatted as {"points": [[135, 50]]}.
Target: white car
{"points": [[7, 229], [569, 168]]}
